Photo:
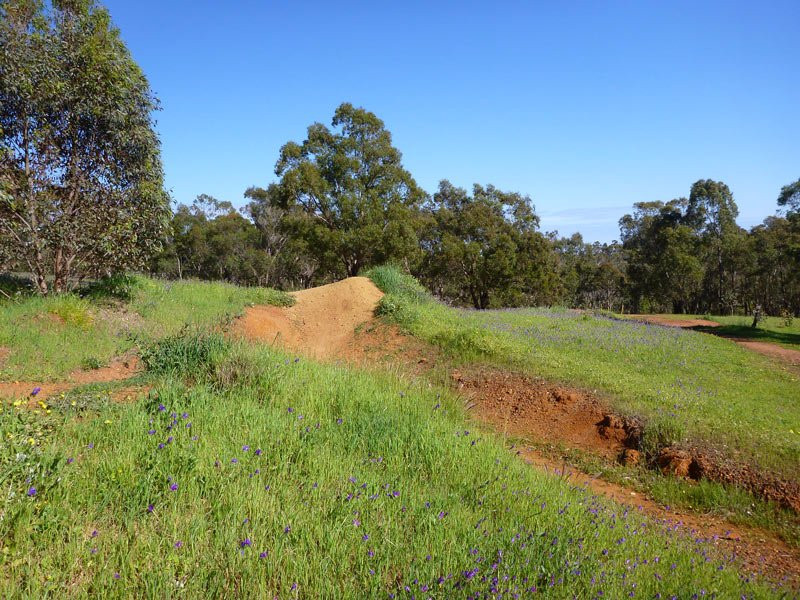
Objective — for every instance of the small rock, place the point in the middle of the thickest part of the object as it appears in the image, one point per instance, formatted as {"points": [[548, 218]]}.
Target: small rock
{"points": [[674, 461], [630, 457]]}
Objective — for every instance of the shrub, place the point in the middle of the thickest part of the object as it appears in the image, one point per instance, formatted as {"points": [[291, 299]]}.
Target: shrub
{"points": [[186, 353], [115, 287], [72, 310], [660, 433]]}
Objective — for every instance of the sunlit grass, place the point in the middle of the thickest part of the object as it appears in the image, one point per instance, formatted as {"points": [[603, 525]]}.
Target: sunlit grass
{"points": [[706, 388]]}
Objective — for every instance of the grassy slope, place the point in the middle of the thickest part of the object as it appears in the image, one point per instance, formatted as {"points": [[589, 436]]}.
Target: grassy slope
{"points": [[395, 494], [48, 337], [688, 385]]}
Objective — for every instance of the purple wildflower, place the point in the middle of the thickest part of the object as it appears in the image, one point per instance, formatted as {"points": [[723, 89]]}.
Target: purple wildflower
{"points": [[179, 544], [174, 487], [36, 390], [32, 491]]}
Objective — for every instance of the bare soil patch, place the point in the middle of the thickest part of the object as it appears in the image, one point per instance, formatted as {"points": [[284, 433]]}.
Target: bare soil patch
{"points": [[321, 323], [119, 368], [523, 406]]}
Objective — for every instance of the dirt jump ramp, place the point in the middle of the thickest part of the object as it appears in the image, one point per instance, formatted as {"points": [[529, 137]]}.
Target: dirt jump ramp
{"points": [[322, 322]]}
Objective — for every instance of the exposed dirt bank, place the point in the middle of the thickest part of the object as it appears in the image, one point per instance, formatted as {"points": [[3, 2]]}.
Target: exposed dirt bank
{"points": [[320, 324]]}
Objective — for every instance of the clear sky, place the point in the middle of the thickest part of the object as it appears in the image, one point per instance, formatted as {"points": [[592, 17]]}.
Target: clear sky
{"points": [[587, 107]]}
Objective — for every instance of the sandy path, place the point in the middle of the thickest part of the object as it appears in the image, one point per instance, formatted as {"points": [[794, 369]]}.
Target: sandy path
{"points": [[321, 323], [119, 368]]}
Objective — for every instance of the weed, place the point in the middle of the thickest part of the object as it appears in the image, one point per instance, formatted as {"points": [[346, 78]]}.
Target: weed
{"points": [[188, 353]]}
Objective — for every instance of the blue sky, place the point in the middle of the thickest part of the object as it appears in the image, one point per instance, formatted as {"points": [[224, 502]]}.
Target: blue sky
{"points": [[587, 107]]}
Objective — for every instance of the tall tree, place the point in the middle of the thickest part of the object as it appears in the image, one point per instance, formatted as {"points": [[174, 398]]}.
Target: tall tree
{"points": [[790, 197], [347, 194], [484, 248], [712, 211], [81, 183]]}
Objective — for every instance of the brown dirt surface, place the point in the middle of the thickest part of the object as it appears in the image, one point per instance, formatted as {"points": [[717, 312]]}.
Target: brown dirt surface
{"points": [[120, 368], [758, 551], [670, 322], [528, 407], [321, 324]]}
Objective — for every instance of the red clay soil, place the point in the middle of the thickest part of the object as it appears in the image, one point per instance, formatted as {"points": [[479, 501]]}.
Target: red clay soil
{"points": [[119, 368], [524, 406], [321, 323]]}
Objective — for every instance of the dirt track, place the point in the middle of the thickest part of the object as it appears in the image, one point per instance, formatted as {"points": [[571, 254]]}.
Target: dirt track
{"points": [[320, 324]]}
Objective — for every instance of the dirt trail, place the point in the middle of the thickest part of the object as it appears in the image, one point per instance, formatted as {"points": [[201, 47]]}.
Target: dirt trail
{"points": [[669, 322], [120, 368], [321, 323], [784, 355]]}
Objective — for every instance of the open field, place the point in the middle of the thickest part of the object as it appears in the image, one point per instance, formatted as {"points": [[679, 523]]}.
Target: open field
{"points": [[269, 476], [229, 460]]}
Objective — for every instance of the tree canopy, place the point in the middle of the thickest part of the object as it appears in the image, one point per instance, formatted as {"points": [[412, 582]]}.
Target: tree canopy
{"points": [[81, 183], [347, 194]]}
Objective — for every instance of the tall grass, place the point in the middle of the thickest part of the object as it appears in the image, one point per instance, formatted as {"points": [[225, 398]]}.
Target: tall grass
{"points": [[297, 480]]}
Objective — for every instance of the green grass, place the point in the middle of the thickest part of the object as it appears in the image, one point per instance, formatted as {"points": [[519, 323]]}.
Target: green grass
{"points": [[50, 337], [691, 387], [352, 484]]}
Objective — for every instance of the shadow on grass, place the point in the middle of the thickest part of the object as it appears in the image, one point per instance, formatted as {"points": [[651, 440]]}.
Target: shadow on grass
{"points": [[749, 333]]}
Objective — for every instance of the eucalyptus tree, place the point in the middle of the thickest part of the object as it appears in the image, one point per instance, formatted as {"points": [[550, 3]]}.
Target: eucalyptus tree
{"points": [[347, 195], [81, 181]]}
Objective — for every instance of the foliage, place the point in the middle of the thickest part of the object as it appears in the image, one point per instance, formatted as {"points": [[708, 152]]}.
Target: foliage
{"points": [[347, 195], [189, 352], [484, 248], [81, 189]]}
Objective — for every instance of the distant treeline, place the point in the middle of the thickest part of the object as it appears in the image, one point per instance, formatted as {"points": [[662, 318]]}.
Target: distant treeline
{"points": [[343, 202]]}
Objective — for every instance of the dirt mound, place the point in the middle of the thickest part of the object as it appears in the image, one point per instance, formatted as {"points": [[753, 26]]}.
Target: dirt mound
{"points": [[321, 323]]}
